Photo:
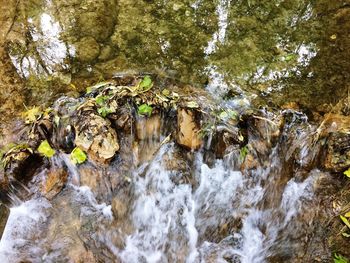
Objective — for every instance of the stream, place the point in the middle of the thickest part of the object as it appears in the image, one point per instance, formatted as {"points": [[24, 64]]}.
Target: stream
{"points": [[258, 82], [195, 210]]}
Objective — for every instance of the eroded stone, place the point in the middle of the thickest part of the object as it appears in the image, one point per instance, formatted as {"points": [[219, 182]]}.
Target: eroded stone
{"points": [[87, 49], [188, 129], [95, 136], [55, 180]]}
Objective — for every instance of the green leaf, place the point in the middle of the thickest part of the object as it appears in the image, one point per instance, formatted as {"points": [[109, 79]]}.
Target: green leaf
{"points": [[101, 100], [89, 90], [223, 115], [345, 221], [104, 111], [192, 104], [339, 259], [145, 109], [243, 153], [45, 149], [78, 156], [290, 57], [146, 84], [347, 172], [232, 114]]}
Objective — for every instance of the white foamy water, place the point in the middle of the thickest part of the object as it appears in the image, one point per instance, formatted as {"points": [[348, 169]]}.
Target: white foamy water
{"points": [[23, 227], [171, 220], [211, 213]]}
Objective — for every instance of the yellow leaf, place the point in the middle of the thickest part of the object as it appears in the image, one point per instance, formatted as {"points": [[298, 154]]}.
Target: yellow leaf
{"points": [[333, 37], [347, 172], [32, 114], [46, 150], [345, 221], [347, 214]]}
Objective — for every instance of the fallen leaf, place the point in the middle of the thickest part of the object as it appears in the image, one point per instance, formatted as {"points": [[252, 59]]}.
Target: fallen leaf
{"points": [[345, 221], [78, 156], [145, 109], [192, 104], [45, 149]]}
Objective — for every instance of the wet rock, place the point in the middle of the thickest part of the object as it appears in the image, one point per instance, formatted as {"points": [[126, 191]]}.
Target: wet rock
{"points": [[122, 120], [97, 25], [249, 163], [87, 49], [106, 53], [21, 163], [178, 162], [4, 214], [119, 208], [84, 257], [188, 129], [64, 136], [55, 180], [223, 140], [338, 152], [95, 136], [336, 128], [90, 177], [334, 123], [148, 127]]}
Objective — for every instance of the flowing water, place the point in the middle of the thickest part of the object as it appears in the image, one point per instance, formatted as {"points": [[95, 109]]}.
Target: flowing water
{"points": [[173, 205], [204, 211]]}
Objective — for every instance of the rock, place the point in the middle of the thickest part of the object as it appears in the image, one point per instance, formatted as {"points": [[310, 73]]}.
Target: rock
{"points": [[249, 163], [87, 49], [334, 123], [95, 136], [4, 214], [21, 163], [119, 208], [97, 25], [292, 105], [55, 180], [84, 257], [148, 127], [336, 127], [91, 177], [188, 129], [106, 53], [338, 152], [3, 181], [223, 140]]}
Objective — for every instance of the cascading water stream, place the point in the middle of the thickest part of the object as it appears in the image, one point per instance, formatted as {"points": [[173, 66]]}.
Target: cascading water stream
{"points": [[211, 213]]}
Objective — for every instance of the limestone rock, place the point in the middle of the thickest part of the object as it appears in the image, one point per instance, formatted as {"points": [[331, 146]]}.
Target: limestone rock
{"points": [[95, 136], [119, 207], [98, 25], [106, 53], [87, 49], [188, 129], [55, 180]]}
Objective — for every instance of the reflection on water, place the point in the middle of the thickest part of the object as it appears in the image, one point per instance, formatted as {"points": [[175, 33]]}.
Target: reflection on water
{"points": [[260, 47]]}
